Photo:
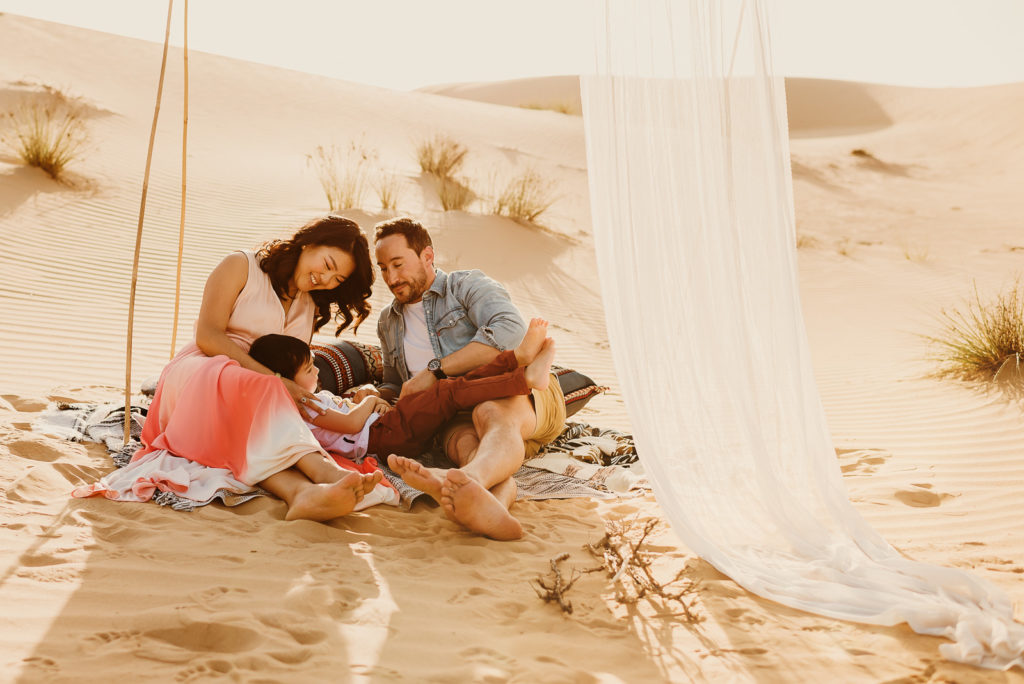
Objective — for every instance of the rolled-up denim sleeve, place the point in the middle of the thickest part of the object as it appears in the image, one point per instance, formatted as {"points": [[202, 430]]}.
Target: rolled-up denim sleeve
{"points": [[391, 380], [498, 322]]}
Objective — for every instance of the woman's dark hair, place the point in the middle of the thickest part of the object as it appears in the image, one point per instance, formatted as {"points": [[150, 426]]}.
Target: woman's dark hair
{"points": [[278, 259], [282, 354]]}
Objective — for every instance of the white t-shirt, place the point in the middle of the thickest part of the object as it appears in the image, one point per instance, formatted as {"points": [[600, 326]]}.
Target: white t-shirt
{"points": [[417, 343]]}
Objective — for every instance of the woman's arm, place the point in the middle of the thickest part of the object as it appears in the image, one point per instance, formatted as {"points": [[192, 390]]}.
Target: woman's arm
{"points": [[222, 289]]}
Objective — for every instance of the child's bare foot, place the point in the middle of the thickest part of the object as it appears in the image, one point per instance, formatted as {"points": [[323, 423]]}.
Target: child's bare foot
{"points": [[538, 373], [417, 475], [531, 345], [323, 502], [467, 502]]}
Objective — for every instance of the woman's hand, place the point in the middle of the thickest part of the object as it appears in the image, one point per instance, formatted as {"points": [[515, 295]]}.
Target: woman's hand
{"points": [[303, 399]]}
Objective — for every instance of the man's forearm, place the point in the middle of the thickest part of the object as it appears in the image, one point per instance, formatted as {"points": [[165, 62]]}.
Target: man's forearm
{"points": [[473, 355]]}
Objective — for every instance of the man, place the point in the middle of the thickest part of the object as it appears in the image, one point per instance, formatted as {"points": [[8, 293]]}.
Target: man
{"points": [[442, 324]]}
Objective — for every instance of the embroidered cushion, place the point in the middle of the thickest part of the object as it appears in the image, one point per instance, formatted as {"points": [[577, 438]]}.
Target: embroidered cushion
{"points": [[344, 365]]}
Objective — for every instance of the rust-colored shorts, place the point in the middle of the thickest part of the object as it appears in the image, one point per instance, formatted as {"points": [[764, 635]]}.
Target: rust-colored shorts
{"points": [[549, 406]]}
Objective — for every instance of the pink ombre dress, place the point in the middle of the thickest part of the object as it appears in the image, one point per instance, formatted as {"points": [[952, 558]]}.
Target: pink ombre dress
{"points": [[232, 426]]}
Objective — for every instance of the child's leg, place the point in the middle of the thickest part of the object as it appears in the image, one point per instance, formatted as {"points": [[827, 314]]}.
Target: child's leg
{"points": [[407, 427], [504, 362]]}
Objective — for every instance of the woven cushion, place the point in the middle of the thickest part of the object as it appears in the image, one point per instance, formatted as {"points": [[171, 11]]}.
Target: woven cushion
{"points": [[344, 365], [577, 388]]}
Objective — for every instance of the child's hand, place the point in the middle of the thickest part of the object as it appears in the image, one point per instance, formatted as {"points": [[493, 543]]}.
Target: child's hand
{"points": [[380, 406], [363, 392]]}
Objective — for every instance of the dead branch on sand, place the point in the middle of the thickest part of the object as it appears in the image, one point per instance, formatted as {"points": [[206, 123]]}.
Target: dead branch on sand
{"points": [[554, 589]]}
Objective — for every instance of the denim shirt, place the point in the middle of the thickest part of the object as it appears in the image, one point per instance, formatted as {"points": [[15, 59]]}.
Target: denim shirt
{"points": [[460, 307]]}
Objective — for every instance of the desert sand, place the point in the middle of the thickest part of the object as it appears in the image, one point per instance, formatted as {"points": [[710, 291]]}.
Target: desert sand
{"points": [[96, 590]]}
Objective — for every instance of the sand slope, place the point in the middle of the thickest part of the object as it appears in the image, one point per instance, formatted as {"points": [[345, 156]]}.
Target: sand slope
{"points": [[95, 590]]}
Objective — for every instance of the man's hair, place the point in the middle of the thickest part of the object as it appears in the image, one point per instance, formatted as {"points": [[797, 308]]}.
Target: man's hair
{"points": [[416, 236], [282, 354]]}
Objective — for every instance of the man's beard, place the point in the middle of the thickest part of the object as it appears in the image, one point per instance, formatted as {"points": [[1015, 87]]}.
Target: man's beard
{"points": [[416, 288]]}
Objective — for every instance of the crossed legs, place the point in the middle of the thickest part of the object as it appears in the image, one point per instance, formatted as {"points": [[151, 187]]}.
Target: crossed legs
{"points": [[478, 493]]}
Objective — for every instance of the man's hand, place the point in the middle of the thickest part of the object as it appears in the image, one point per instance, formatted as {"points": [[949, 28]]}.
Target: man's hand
{"points": [[417, 383], [365, 391], [381, 406]]}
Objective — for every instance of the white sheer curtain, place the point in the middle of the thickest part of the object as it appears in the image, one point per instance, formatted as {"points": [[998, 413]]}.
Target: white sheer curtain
{"points": [[693, 222]]}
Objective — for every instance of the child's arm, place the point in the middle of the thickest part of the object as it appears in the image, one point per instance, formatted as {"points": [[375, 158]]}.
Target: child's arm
{"points": [[346, 423]]}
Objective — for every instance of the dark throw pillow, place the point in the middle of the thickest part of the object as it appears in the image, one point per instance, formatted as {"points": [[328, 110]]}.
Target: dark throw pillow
{"points": [[344, 365], [577, 388]]}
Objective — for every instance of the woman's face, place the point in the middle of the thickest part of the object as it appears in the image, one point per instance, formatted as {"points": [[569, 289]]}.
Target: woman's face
{"points": [[321, 267]]}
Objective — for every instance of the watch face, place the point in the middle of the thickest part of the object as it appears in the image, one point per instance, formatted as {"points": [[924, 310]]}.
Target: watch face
{"points": [[433, 365]]}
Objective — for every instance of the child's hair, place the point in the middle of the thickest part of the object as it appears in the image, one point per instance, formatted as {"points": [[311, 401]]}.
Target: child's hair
{"points": [[282, 354]]}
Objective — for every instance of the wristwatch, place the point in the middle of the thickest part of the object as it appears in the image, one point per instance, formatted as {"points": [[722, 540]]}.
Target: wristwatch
{"points": [[434, 366]]}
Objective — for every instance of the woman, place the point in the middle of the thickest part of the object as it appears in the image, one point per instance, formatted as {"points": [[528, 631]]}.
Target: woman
{"points": [[217, 407]]}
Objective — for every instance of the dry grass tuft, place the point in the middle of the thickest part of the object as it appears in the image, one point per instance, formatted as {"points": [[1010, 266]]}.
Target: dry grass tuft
{"points": [[983, 337], [440, 156], [525, 198], [560, 107], [387, 187], [343, 173], [455, 194], [803, 240], [48, 135]]}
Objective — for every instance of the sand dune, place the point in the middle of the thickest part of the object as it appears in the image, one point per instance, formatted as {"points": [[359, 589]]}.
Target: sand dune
{"points": [[96, 590]]}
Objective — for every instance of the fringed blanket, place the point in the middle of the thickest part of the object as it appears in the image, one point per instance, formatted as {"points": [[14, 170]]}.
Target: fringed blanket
{"points": [[583, 461]]}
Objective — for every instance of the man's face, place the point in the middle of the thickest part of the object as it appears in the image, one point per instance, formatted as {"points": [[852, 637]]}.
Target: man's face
{"points": [[407, 274]]}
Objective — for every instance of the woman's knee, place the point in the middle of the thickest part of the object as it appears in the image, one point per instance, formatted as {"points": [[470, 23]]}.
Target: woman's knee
{"points": [[502, 413]]}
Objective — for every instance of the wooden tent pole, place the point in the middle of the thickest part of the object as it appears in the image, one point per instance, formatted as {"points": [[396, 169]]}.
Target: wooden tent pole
{"points": [[138, 236], [181, 224]]}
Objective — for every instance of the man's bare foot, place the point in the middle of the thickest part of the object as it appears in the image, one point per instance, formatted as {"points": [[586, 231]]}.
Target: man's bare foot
{"points": [[415, 474], [322, 502], [531, 345], [538, 373], [467, 502]]}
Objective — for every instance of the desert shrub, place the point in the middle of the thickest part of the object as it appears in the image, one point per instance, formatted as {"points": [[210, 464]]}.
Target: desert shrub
{"points": [[343, 172], [560, 107], [526, 197], [980, 336], [387, 187], [48, 135], [440, 156], [454, 194]]}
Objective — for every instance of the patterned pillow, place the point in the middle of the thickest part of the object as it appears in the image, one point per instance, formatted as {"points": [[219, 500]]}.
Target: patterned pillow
{"points": [[344, 365], [577, 388]]}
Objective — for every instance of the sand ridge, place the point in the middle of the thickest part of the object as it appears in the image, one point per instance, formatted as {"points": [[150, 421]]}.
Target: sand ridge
{"points": [[98, 590]]}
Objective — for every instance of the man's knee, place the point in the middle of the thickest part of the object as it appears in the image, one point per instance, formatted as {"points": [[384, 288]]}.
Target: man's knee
{"points": [[514, 412]]}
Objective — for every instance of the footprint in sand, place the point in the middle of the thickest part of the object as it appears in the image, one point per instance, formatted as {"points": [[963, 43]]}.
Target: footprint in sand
{"points": [[861, 461], [921, 496], [37, 449]]}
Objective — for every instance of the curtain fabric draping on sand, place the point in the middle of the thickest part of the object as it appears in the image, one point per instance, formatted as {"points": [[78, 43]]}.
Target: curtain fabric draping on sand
{"points": [[693, 221]]}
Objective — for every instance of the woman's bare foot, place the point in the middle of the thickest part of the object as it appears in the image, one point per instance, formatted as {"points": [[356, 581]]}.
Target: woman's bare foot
{"points": [[417, 475], [322, 502], [538, 373], [531, 345], [467, 502]]}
